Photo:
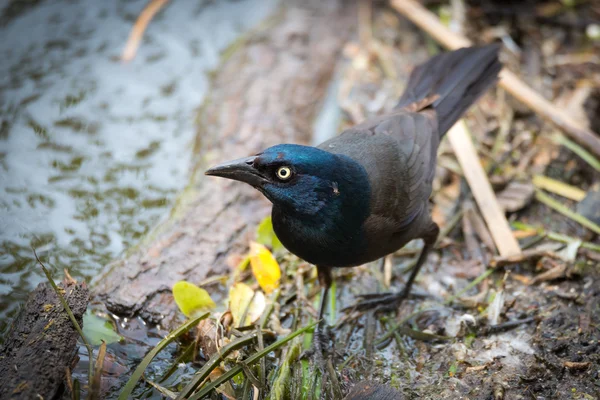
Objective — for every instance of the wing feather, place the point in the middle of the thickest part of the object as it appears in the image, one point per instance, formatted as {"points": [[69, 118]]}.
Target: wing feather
{"points": [[399, 153]]}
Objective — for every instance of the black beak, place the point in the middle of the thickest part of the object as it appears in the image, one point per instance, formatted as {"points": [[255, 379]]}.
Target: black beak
{"points": [[241, 170]]}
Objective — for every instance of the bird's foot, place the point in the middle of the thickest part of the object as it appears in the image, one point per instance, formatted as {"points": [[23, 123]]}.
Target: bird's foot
{"points": [[384, 302], [319, 350]]}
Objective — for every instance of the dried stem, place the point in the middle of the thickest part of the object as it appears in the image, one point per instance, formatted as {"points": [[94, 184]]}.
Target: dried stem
{"points": [[509, 81], [137, 32]]}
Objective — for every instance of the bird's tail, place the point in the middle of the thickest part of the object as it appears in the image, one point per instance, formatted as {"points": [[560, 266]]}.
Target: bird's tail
{"points": [[450, 82]]}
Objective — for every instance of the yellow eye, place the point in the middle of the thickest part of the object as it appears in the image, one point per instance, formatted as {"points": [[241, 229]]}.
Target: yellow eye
{"points": [[284, 173]]}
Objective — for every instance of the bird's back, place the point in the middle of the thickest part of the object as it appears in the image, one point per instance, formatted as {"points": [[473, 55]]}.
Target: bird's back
{"points": [[399, 150]]}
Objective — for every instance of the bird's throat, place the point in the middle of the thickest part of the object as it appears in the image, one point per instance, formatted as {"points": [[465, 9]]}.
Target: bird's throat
{"points": [[333, 232]]}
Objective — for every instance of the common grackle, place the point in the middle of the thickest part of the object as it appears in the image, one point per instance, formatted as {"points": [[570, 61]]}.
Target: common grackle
{"points": [[365, 193]]}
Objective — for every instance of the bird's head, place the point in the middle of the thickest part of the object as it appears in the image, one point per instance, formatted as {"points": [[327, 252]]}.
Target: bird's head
{"points": [[301, 180]]}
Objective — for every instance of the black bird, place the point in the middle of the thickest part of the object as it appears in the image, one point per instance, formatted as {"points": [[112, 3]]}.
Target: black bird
{"points": [[365, 193]]}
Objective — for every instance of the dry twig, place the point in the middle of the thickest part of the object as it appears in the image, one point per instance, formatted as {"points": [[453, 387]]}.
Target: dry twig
{"points": [[509, 81], [137, 32], [526, 255], [482, 190]]}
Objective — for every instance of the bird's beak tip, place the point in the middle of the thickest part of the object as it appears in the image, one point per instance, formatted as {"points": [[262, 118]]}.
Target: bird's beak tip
{"points": [[240, 170]]}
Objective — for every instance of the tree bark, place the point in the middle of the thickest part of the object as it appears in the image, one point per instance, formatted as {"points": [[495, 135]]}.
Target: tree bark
{"points": [[41, 344], [268, 91]]}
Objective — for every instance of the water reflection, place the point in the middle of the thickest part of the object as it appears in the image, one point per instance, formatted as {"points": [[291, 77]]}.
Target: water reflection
{"points": [[92, 150]]}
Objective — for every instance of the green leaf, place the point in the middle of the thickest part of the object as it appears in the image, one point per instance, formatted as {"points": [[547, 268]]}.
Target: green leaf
{"points": [[281, 384], [191, 299], [97, 329], [452, 370], [243, 264], [266, 235]]}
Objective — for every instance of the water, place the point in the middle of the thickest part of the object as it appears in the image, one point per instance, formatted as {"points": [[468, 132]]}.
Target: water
{"points": [[93, 150]]}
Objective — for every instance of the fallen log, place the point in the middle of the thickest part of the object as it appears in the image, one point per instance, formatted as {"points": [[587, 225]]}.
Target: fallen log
{"points": [[267, 91], [42, 344]]}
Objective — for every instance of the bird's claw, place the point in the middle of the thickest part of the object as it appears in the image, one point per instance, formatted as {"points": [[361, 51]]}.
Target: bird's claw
{"points": [[380, 302], [316, 359], [318, 352], [368, 296]]}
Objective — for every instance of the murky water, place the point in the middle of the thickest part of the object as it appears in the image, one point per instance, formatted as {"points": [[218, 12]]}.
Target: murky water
{"points": [[93, 150]]}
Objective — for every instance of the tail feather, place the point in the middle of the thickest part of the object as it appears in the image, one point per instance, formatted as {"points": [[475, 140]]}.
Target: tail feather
{"points": [[451, 82]]}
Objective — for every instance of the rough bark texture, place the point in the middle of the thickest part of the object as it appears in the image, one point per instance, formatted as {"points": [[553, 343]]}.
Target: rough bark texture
{"points": [[41, 344], [268, 91]]}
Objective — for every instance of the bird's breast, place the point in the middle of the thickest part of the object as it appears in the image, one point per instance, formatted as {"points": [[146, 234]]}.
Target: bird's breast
{"points": [[319, 241]]}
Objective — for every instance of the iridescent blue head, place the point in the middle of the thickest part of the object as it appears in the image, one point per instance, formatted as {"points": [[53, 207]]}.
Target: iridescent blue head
{"points": [[320, 199], [300, 180]]}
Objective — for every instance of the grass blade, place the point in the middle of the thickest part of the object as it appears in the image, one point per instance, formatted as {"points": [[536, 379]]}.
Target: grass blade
{"points": [[249, 361], [185, 356], [567, 212], [163, 390], [577, 149], [96, 382], [558, 237], [568, 239], [76, 394], [213, 363], [558, 187], [139, 371], [396, 326], [281, 382], [471, 285]]}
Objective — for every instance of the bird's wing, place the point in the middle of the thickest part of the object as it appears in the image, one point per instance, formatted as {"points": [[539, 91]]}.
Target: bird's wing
{"points": [[399, 153]]}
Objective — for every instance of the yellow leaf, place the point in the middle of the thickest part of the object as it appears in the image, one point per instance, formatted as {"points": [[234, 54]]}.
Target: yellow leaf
{"points": [[191, 299], [264, 267], [243, 300]]}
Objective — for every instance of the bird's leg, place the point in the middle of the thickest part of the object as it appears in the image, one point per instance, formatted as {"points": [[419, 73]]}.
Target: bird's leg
{"points": [[325, 280], [320, 342], [382, 264], [391, 301]]}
